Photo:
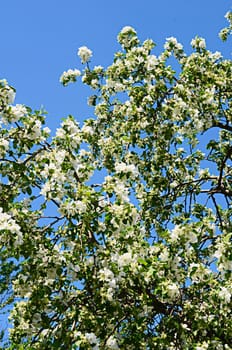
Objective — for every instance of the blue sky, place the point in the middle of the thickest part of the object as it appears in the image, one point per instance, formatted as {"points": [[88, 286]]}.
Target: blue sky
{"points": [[39, 40]]}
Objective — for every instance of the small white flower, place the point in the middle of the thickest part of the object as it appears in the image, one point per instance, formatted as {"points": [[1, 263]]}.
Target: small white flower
{"points": [[124, 259], [35, 131], [110, 294], [46, 130], [69, 76], [10, 95], [173, 291], [176, 232], [8, 223], [4, 143], [173, 184], [112, 343], [17, 112], [201, 348], [60, 156], [121, 191], [125, 168], [91, 337], [172, 40], [228, 15], [46, 190], [106, 274], [224, 294], [203, 173], [172, 43], [216, 55], [84, 53], [98, 69], [87, 129], [164, 256], [127, 29], [113, 283], [192, 237], [80, 206], [60, 132], [198, 43], [152, 62]]}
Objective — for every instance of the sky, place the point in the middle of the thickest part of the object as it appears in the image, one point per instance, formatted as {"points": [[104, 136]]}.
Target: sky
{"points": [[40, 39]]}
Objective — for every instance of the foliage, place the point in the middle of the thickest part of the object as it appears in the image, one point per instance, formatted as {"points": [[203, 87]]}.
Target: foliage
{"points": [[117, 234]]}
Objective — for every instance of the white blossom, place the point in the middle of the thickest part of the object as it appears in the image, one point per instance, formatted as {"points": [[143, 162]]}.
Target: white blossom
{"points": [[127, 29], [84, 53], [112, 343], [105, 274], [17, 112], [8, 224], [164, 255], [152, 62], [176, 232], [87, 129], [126, 168], [121, 191], [4, 145], [10, 95], [224, 294], [198, 43], [172, 43], [80, 206], [91, 337], [46, 130], [98, 69], [173, 291], [69, 76], [124, 259]]}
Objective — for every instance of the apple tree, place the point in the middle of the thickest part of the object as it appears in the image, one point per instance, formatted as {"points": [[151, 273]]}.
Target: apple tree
{"points": [[116, 233]]}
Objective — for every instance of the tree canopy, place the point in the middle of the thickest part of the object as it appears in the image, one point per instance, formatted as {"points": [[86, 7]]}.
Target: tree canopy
{"points": [[116, 234]]}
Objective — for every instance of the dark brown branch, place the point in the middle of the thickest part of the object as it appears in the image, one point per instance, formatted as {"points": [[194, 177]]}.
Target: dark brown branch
{"points": [[222, 126], [228, 155], [217, 211]]}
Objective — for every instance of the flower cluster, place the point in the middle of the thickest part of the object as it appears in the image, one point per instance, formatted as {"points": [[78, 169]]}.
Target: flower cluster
{"points": [[225, 32], [7, 94], [173, 45], [9, 230], [70, 76], [84, 53], [198, 43]]}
